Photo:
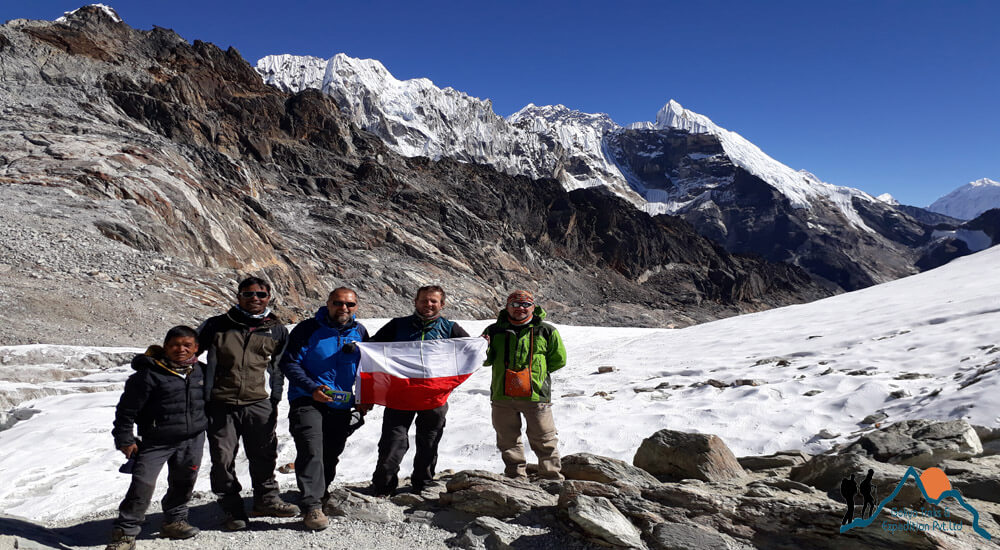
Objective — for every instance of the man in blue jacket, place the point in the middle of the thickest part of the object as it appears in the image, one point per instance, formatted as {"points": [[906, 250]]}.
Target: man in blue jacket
{"points": [[426, 323], [321, 363]]}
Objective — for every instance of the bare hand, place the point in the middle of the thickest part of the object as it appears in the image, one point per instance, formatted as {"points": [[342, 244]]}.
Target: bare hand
{"points": [[363, 408], [319, 395], [129, 450], [486, 336]]}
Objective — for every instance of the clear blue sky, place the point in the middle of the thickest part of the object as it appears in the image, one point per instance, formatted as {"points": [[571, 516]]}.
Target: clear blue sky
{"points": [[895, 96]]}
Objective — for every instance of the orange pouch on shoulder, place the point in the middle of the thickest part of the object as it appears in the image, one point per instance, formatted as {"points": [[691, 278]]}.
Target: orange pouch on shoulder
{"points": [[517, 383]]}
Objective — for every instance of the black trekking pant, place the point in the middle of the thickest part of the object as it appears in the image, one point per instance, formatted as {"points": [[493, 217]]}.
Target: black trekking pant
{"points": [[255, 423], [394, 443], [183, 459], [320, 433]]}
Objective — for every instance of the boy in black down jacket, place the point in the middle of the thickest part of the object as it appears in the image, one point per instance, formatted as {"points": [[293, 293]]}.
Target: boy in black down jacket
{"points": [[165, 399]]}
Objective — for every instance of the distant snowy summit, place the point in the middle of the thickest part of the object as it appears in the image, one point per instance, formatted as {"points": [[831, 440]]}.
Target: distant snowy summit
{"points": [[970, 200], [888, 199], [107, 10]]}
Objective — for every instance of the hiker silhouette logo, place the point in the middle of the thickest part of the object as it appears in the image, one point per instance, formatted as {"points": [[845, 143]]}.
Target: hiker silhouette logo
{"points": [[934, 515]]}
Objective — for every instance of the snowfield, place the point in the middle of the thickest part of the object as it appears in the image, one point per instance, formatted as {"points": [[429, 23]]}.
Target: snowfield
{"points": [[921, 347]]}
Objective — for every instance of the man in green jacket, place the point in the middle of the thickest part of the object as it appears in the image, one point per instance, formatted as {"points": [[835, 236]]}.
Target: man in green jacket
{"points": [[523, 351]]}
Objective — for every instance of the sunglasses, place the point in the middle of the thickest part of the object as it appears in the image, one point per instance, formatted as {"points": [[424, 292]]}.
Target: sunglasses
{"points": [[521, 304], [338, 303], [252, 294]]}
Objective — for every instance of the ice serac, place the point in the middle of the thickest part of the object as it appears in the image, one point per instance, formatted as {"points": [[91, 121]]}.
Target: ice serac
{"points": [[969, 200]]}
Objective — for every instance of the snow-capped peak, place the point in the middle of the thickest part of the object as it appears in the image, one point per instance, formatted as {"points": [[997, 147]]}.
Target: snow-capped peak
{"points": [[969, 200], [888, 199], [798, 186], [108, 10], [414, 117]]}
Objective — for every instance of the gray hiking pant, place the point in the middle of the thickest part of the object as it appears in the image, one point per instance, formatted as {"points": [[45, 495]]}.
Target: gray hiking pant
{"points": [[541, 432], [320, 433], [183, 459], [255, 423]]}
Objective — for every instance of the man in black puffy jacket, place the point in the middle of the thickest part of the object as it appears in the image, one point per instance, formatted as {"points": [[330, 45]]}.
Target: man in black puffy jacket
{"points": [[165, 399], [244, 346]]}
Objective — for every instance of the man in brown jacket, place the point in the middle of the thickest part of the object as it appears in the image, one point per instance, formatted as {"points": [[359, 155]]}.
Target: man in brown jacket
{"points": [[243, 344]]}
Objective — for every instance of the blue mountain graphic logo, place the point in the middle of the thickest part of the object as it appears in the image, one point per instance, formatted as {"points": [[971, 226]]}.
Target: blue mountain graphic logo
{"points": [[911, 472]]}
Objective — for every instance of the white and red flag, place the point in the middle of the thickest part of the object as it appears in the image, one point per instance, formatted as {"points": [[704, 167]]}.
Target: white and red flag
{"points": [[416, 376]]}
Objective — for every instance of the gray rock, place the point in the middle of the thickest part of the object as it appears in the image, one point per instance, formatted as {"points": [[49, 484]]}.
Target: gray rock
{"points": [[875, 418], [920, 443], [589, 467], [987, 434], [779, 459], [827, 434], [487, 494], [977, 477], [344, 502], [681, 536], [598, 517], [678, 455], [991, 447], [487, 533]]}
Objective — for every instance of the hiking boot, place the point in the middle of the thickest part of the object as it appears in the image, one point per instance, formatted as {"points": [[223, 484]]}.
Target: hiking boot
{"points": [[274, 509], [178, 530], [234, 522], [315, 520], [120, 541]]}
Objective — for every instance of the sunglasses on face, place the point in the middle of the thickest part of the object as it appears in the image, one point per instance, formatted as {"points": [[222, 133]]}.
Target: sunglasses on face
{"points": [[252, 294], [338, 303], [522, 304]]}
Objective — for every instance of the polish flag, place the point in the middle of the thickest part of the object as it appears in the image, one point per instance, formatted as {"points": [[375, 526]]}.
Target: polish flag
{"points": [[416, 376]]}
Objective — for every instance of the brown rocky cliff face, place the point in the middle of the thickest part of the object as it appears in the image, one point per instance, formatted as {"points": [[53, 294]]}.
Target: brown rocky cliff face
{"points": [[184, 152]]}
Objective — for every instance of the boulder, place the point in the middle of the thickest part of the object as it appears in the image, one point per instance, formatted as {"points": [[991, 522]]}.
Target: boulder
{"points": [[488, 494], [356, 506], [673, 455], [920, 443], [486, 533], [682, 536], [990, 438], [598, 517], [780, 459], [626, 498], [589, 467]]}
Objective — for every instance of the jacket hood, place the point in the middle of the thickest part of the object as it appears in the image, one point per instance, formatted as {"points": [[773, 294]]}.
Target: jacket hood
{"points": [[323, 318], [536, 319], [154, 358]]}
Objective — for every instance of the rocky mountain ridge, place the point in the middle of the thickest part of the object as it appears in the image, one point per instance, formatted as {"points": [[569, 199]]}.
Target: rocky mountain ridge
{"points": [[725, 186], [177, 171]]}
